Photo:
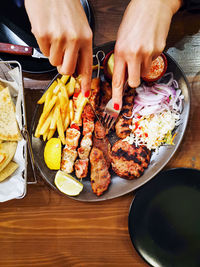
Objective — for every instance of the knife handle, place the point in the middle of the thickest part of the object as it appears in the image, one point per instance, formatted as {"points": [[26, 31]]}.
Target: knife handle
{"points": [[16, 49]]}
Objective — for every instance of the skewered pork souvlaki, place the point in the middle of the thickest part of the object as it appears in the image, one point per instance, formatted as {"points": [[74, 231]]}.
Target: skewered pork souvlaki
{"points": [[88, 116]]}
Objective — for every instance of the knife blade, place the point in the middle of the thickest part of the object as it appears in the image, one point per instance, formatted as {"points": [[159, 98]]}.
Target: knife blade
{"points": [[21, 48]]}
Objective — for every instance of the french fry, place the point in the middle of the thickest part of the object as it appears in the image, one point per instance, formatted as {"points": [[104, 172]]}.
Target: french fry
{"points": [[64, 92], [44, 115], [64, 78], [81, 102], [46, 124], [67, 121], [47, 99], [51, 133], [60, 129], [50, 89], [71, 110], [54, 117], [45, 135], [70, 86], [57, 88]]}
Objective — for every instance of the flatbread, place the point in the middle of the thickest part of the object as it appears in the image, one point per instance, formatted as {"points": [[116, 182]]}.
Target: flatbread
{"points": [[3, 157], [8, 125], [1, 86], [8, 170], [8, 148]]}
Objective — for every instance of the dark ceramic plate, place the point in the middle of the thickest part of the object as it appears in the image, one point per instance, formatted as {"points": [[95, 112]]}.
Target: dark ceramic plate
{"points": [[13, 18], [164, 219], [119, 186]]}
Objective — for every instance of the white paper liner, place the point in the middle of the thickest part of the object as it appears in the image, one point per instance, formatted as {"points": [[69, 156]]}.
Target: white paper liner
{"points": [[15, 186]]}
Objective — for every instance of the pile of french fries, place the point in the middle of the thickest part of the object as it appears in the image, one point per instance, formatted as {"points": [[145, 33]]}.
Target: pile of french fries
{"points": [[59, 111]]}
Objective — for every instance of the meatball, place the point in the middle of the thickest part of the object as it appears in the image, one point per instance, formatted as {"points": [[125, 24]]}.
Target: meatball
{"points": [[129, 161]]}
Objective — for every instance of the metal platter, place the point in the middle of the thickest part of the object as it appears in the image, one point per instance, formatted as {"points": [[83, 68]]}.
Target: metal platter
{"points": [[119, 186]]}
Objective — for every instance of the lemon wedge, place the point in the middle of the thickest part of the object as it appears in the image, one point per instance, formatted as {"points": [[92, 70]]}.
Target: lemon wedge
{"points": [[52, 153], [67, 184], [110, 63]]}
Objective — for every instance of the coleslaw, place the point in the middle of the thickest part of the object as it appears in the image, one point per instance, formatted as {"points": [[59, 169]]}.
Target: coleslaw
{"points": [[156, 112]]}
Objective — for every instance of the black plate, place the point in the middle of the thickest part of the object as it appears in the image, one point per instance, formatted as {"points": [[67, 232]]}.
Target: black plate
{"points": [[119, 186], [164, 219], [13, 16]]}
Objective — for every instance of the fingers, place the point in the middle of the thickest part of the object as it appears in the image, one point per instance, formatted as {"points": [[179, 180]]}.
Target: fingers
{"points": [[69, 61], [85, 69], [134, 67], [44, 44], [118, 82], [57, 51], [146, 65]]}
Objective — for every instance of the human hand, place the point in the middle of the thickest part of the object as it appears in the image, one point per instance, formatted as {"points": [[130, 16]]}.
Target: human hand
{"points": [[64, 35], [141, 38]]}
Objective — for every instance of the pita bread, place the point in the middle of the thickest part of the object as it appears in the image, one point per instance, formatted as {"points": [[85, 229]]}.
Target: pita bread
{"points": [[1, 86], [8, 125], [3, 157], [8, 170], [8, 148]]}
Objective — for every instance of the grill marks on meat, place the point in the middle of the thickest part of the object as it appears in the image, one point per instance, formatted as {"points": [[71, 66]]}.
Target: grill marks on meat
{"points": [[122, 127], [129, 161], [123, 123], [69, 153], [88, 116], [106, 95], [104, 146], [69, 156], [100, 176], [85, 147], [99, 156], [99, 131], [81, 167]]}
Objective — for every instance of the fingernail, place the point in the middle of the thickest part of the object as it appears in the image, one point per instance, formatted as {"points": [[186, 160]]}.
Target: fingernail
{"points": [[116, 106], [87, 93]]}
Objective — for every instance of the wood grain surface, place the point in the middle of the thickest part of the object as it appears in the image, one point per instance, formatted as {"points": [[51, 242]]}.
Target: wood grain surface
{"points": [[49, 229]]}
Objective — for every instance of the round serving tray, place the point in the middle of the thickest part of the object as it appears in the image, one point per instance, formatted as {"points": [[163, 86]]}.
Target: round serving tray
{"points": [[120, 186]]}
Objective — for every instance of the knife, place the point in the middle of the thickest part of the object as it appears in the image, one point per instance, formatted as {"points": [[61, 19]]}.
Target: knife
{"points": [[21, 48]]}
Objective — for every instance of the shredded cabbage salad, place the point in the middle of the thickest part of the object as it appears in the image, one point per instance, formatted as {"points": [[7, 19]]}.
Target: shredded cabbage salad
{"points": [[156, 112]]}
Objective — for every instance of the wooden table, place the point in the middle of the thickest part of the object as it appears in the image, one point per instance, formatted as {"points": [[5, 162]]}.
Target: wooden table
{"points": [[47, 229]]}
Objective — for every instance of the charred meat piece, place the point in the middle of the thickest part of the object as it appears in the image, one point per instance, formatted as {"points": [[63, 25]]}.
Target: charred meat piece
{"points": [[88, 126], [72, 137], [129, 161], [88, 113], [122, 127], [105, 147], [99, 131], [69, 156], [123, 123], [106, 92], [85, 147], [94, 100], [100, 176], [81, 165], [81, 168], [94, 96]]}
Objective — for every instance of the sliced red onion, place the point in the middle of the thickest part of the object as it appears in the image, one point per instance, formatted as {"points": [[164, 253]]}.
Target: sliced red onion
{"points": [[158, 97]]}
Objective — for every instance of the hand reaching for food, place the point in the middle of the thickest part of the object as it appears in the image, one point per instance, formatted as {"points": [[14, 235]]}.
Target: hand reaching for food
{"points": [[141, 38], [64, 35]]}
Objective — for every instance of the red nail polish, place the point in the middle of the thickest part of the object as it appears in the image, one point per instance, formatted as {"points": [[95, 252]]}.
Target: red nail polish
{"points": [[76, 94], [87, 93], [116, 106]]}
